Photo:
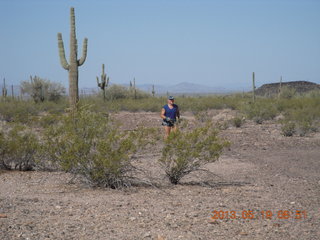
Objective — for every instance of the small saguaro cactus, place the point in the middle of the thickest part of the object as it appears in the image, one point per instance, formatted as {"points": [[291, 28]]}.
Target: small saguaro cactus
{"points": [[253, 88], [134, 88], [4, 89], [280, 86], [12, 92], [74, 63], [104, 82], [153, 91]]}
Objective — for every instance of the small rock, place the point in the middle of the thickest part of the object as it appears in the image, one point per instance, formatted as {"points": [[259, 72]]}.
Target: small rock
{"points": [[132, 218], [292, 203], [160, 237], [147, 235], [3, 215], [243, 233]]}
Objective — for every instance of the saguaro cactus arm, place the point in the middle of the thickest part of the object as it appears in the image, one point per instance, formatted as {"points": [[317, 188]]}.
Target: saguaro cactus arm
{"points": [[98, 82], [84, 52], [62, 54]]}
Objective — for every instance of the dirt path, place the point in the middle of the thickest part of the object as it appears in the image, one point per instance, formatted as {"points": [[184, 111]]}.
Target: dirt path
{"points": [[262, 171]]}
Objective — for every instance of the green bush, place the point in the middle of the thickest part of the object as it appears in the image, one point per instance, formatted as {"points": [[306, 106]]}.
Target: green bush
{"points": [[237, 121], [186, 151], [121, 92], [17, 111], [25, 111], [41, 89], [288, 129], [202, 116], [287, 92], [261, 110], [18, 148], [89, 144], [304, 112]]}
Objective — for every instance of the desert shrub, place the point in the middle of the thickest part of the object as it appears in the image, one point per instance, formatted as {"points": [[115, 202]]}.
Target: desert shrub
{"points": [[186, 151], [24, 111], [45, 121], [237, 121], [304, 112], [202, 116], [287, 92], [18, 148], [120, 99], [41, 89], [288, 129], [204, 103], [313, 94], [116, 92], [303, 128], [261, 110], [121, 92], [89, 144], [55, 91], [17, 111]]}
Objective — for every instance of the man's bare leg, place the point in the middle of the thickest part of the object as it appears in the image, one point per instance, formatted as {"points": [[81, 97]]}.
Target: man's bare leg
{"points": [[167, 130]]}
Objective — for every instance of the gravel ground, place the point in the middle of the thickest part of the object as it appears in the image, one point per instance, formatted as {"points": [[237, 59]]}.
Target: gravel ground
{"points": [[262, 172]]}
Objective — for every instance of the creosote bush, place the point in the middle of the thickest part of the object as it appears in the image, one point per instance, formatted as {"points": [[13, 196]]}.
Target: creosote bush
{"points": [[41, 89], [89, 144], [18, 148], [287, 92], [121, 92], [237, 121], [261, 110], [288, 129], [186, 151]]}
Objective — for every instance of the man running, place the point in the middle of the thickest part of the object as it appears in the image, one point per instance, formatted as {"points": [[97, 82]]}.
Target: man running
{"points": [[170, 114]]}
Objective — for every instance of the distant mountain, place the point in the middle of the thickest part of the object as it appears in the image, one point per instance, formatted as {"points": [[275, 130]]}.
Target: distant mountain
{"points": [[182, 88], [299, 86]]}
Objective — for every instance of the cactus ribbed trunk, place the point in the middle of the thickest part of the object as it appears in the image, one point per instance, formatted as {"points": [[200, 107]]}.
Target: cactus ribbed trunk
{"points": [[4, 89], [134, 88], [12, 92], [153, 91], [280, 86], [74, 63]]}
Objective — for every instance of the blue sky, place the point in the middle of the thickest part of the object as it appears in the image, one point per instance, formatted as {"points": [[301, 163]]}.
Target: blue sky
{"points": [[216, 43]]}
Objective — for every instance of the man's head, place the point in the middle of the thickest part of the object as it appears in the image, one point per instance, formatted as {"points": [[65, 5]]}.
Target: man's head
{"points": [[170, 99]]}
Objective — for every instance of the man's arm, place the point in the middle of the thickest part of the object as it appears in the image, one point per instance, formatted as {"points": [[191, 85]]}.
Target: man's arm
{"points": [[163, 111], [178, 113]]}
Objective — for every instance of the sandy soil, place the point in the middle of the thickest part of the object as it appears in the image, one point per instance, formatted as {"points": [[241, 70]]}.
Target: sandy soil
{"points": [[262, 171]]}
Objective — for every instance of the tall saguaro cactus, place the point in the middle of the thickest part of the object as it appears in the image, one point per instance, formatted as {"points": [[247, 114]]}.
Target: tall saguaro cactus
{"points": [[74, 63], [104, 82], [253, 88]]}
